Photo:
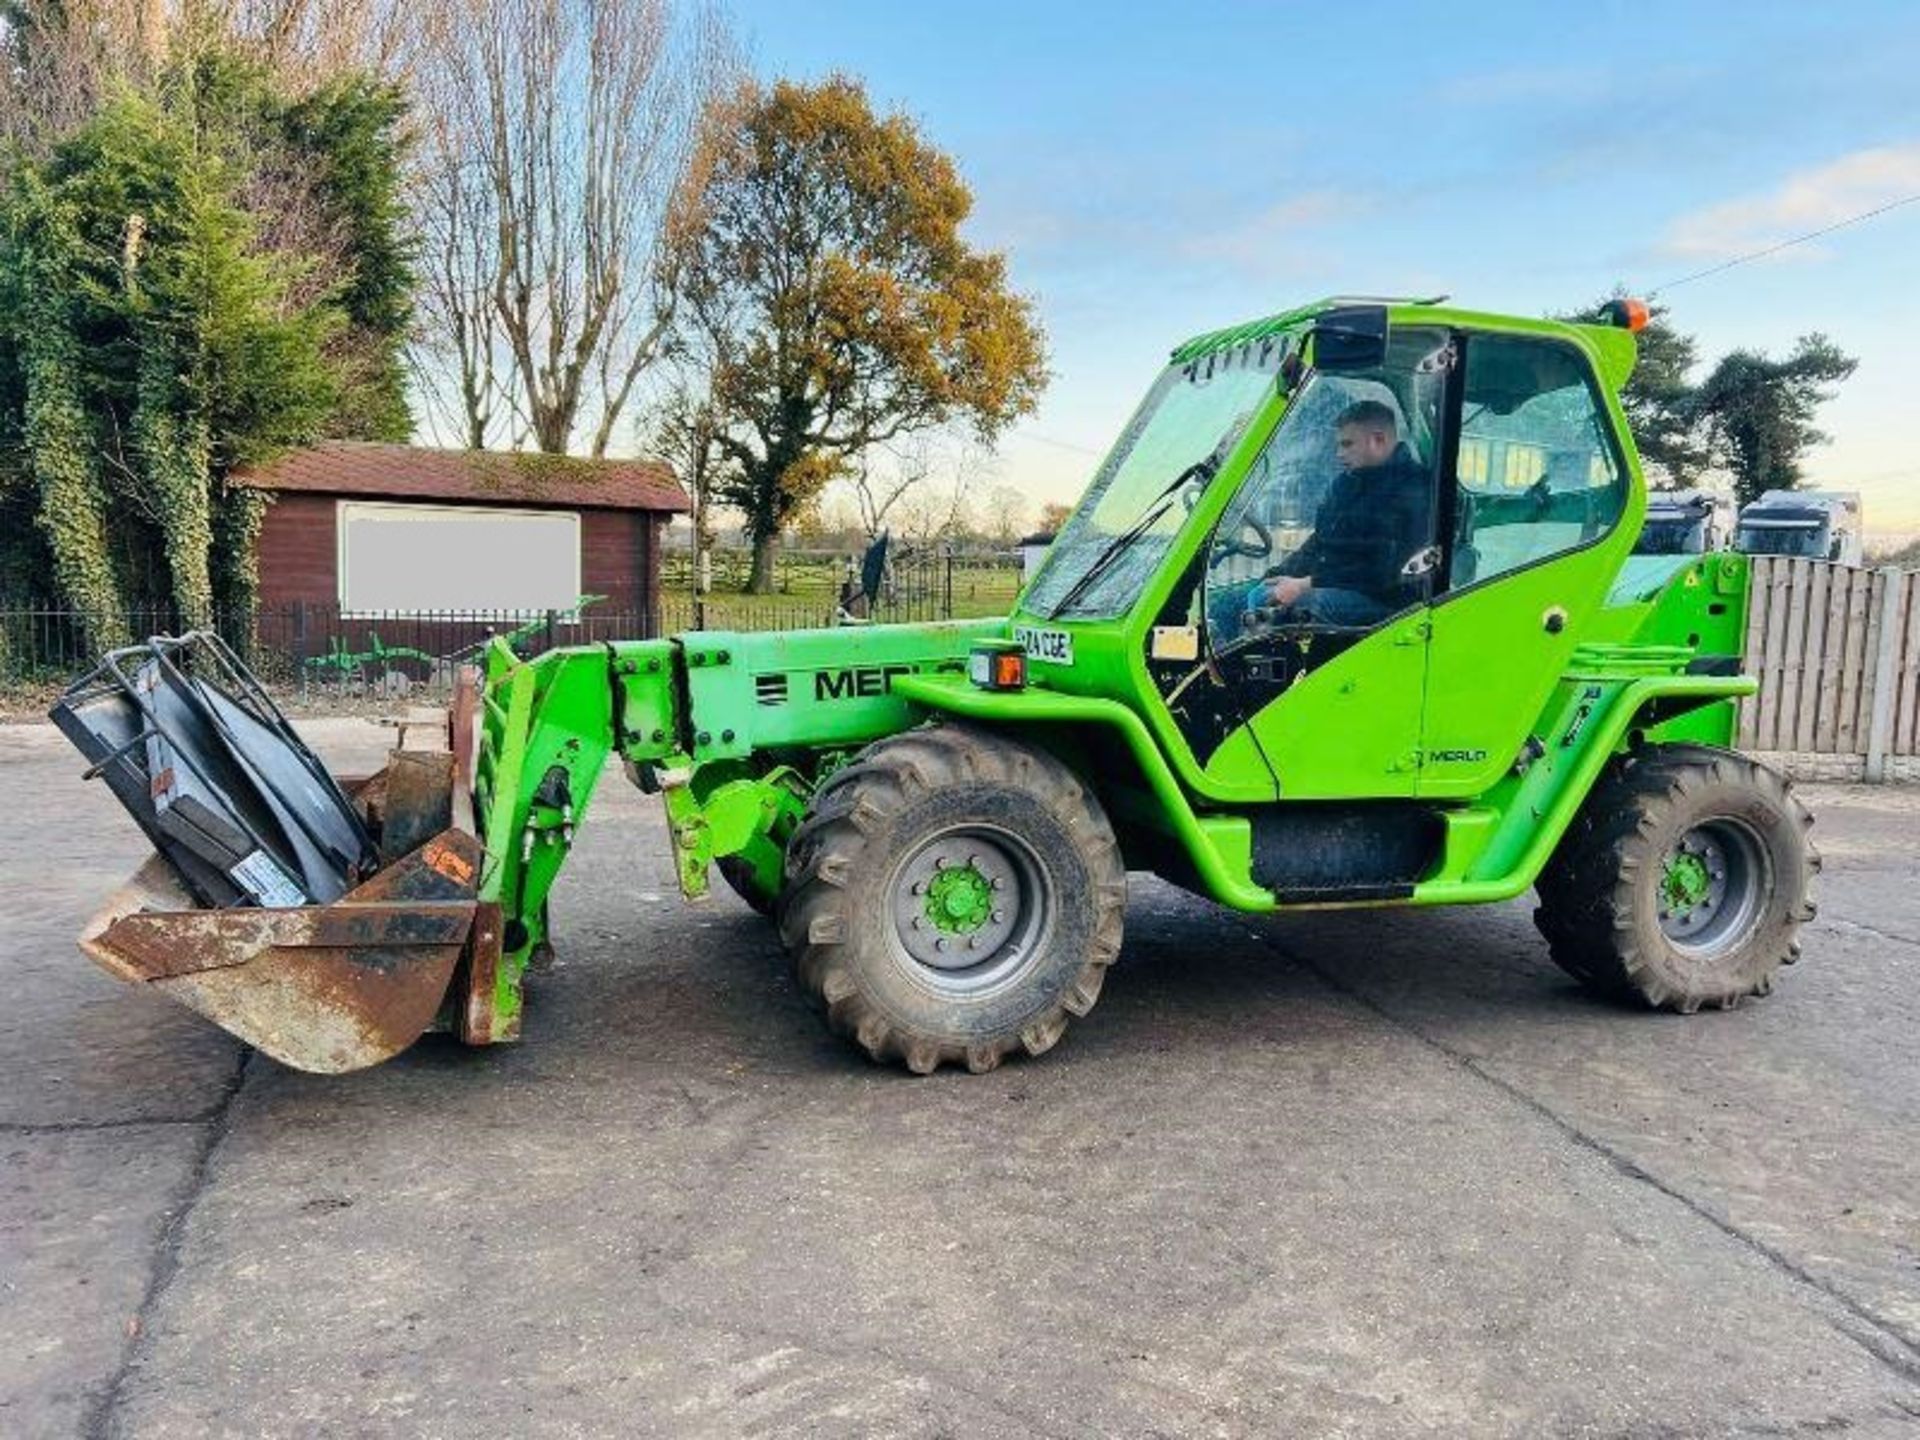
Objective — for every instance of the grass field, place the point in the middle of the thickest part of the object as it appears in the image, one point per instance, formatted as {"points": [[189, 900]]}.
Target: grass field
{"points": [[809, 589]]}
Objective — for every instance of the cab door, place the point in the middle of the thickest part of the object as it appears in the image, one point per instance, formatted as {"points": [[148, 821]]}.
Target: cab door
{"points": [[1538, 488], [1322, 697]]}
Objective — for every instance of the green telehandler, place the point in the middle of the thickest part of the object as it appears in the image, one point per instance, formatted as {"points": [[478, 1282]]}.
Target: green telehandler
{"points": [[1348, 616]]}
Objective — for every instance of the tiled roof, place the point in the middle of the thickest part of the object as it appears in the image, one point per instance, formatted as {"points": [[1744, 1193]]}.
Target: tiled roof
{"points": [[408, 472]]}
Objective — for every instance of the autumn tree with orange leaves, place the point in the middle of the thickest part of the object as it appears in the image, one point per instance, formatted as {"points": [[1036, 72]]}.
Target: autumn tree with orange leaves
{"points": [[831, 303]]}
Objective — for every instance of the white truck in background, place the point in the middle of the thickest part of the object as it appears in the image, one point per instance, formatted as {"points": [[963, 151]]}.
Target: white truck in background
{"points": [[1685, 522], [1813, 524]]}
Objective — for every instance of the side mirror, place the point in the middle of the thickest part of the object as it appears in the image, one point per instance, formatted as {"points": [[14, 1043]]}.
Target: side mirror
{"points": [[1352, 338]]}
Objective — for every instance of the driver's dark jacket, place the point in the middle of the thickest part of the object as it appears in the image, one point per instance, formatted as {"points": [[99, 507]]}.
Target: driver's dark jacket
{"points": [[1372, 521]]}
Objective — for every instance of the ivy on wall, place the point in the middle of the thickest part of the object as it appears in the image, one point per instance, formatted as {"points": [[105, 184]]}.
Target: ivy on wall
{"points": [[56, 437], [170, 443], [198, 276]]}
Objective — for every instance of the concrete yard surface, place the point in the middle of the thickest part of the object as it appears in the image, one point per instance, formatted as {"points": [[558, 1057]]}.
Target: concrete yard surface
{"points": [[1373, 1173]]}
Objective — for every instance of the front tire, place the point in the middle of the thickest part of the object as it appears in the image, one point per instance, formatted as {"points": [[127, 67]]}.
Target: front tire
{"points": [[951, 896], [1683, 881]]}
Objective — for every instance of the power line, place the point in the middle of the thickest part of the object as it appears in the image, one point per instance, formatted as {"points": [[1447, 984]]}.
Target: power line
{"points": [[1060, 444], [1776, 248]]}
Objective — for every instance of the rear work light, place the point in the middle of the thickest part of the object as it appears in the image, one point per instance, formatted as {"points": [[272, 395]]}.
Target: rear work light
{"points": [[997, 666]]}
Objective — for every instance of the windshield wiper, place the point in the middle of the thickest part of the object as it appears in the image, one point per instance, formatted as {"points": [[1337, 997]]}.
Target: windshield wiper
{"points": [[1201, 471]]}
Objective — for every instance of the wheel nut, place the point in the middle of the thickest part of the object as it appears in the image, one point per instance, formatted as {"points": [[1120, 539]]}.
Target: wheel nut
{"points": [[999, 916], [998, 883], [918, 888], [939, 944], [916, 922], [972, 944]]}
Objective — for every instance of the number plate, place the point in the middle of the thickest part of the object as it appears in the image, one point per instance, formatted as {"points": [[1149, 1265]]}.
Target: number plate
{"points": [[1052, 647]]}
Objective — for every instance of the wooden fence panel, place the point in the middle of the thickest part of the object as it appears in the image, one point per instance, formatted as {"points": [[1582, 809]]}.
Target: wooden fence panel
{"points": [[1817, 582], [1850, 729], [1774, 579], [1876, 616], [1793, 658], [1814, 641], [1906, 725], [1753, 646], [1833, 650]]}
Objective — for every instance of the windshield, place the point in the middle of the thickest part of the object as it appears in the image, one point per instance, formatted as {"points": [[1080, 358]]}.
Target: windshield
{"points": [[1138, 501], [1669, 535], [1806, 538]]}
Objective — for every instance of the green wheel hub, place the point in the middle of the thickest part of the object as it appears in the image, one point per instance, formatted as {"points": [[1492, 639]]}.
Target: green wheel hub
{"points": [[1712, 887], [959, 899], [971, 905], [1686, 881]]}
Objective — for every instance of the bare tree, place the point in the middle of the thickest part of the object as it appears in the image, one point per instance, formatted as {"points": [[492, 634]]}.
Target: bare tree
{"points": [[923, 485], [561, 143], [685, 434], [884, 476], [1006, 511], [947, 472], [307, 41], [462, 370], [58, 58]]}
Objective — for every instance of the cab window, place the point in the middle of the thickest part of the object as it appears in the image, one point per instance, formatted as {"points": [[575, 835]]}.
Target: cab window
{"points": [[1330, 526], [1537, 474]]}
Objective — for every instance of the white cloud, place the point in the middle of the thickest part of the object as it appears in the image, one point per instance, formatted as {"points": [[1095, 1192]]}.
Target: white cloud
{"points": [[1264, 243], [1804, 201]]}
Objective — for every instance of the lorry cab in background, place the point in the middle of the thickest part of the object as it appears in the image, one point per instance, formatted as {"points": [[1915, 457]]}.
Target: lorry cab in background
{"points": [[1686, 522], [1811, 524]]}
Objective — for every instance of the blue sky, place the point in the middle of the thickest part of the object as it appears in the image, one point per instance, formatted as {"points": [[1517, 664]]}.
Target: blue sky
{"points": [[1153, 171]]}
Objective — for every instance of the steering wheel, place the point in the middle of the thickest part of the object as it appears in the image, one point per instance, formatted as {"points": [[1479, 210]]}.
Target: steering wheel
{"points": [[1251, 539]]}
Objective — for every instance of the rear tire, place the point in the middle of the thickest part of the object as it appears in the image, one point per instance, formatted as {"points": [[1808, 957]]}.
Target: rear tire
{"points": [[951, 895], [1682, 882]]}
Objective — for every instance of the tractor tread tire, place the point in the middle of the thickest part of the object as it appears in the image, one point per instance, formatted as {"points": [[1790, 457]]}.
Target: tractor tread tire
{"points": [[832, 907], [1596, 902]]}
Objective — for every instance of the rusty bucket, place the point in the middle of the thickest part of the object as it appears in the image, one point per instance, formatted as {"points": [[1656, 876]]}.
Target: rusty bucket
{"points": [[326, 988], [343, 985]]}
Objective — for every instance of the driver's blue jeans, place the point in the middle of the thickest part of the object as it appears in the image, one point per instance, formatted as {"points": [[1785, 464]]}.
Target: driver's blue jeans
{"points": [[1321, 605]]}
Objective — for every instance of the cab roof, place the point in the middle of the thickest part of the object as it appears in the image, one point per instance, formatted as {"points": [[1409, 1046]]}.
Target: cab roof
{"points": [[1612, 349]]}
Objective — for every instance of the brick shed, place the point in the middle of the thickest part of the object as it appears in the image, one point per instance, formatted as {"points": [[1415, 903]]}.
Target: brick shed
{"points": [[362, 530]]}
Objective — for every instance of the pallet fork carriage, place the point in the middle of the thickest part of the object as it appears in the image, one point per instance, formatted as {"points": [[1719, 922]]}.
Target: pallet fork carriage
{"points": [[1423, 669]]}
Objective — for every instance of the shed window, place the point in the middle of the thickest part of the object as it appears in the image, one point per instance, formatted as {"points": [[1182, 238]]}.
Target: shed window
{"points": [[452, 558]]}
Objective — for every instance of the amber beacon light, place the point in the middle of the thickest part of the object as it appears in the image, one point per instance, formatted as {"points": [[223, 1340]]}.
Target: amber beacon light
{"points": [[1628, 314]]}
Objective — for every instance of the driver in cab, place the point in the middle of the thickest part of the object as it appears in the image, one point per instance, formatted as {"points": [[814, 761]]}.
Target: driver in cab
{"points": [[1376, 516]]}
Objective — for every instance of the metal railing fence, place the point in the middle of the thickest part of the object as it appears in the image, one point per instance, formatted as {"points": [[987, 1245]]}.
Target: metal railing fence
{"points": [[304, 646]]}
